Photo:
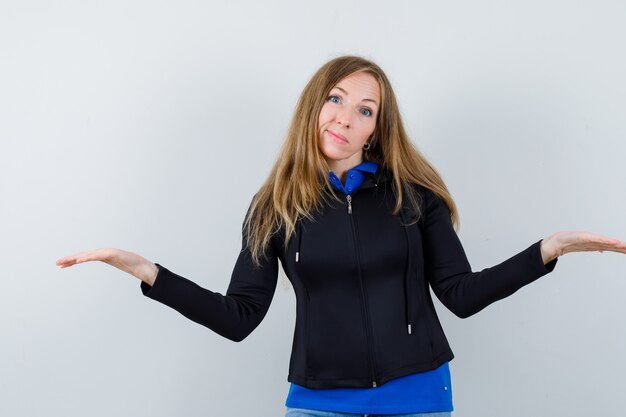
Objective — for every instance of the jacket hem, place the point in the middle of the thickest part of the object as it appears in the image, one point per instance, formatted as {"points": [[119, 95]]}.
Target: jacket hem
{"points": [[367, 382]]}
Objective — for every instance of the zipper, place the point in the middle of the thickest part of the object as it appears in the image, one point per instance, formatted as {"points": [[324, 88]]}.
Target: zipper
{"points": [[358, 261]]}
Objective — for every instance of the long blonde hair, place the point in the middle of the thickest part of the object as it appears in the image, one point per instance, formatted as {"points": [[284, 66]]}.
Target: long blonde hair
{"points": [[298, 185]]}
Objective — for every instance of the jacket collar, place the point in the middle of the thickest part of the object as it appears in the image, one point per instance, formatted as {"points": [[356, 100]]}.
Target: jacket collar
{"points": [[382, 174]]}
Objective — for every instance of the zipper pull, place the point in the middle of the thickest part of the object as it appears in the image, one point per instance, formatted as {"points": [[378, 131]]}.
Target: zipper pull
{"points": [[374, 384], [349, 198]]}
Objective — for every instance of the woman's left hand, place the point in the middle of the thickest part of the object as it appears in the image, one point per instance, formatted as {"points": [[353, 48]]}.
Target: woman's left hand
{"points": [[561, 243]]}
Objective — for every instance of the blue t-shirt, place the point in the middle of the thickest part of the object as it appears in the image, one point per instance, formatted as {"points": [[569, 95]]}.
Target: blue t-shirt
{"points": [[422, 392]]}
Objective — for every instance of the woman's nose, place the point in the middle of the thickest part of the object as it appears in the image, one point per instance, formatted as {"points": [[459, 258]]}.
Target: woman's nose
{"points": [[344, 117]]}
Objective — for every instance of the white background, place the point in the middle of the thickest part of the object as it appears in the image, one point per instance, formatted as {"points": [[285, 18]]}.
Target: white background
{"points": [[149, 125]]}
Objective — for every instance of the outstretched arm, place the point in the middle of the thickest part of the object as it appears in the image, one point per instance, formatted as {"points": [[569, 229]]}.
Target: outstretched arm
{"points": [[233, 315], [465, 292]]}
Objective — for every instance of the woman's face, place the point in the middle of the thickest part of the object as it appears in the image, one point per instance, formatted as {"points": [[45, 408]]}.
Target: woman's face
{"points": [[348, 119]]}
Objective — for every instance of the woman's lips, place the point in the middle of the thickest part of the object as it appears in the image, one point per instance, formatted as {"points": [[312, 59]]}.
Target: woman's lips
{"points": [[337, 137]]}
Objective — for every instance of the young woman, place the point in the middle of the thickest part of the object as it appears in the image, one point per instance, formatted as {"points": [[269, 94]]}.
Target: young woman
{"points": [[362, 225]]}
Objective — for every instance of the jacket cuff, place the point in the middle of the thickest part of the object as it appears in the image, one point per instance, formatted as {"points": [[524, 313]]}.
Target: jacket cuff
{"points": [[538, 260], [153, 290]]}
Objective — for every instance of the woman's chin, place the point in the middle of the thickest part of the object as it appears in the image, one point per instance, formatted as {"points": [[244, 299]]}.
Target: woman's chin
{"points": [[335, 152]]}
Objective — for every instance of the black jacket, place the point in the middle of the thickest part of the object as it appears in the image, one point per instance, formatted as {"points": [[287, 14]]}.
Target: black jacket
{"points": [[364, 310]]}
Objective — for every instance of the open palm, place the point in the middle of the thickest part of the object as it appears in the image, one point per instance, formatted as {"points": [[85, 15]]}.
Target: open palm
{"points": [[129, 262]]}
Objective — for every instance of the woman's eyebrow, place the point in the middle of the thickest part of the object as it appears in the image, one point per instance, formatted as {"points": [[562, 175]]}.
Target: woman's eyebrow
{"points": [[346, 93]]}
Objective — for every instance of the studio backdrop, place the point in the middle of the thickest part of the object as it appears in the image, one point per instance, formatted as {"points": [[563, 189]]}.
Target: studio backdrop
{"points": [[149, 125]]}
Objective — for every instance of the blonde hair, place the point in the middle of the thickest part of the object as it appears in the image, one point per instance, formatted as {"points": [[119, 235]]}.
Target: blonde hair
{"points": [[298, 185]]}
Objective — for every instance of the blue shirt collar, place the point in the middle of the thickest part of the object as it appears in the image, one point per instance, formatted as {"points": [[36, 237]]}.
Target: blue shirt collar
{"points": [[367, 166], [354, 177]]}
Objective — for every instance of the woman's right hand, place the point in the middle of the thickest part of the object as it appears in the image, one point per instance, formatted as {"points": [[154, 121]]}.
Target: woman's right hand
{"points": [[129, 262]]}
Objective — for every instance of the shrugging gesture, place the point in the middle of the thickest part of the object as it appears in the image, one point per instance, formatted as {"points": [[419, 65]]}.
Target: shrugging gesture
{"points": [[361, 269], [555, 245]]}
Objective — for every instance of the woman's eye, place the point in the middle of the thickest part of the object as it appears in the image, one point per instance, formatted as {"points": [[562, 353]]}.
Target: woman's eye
{"points": [[366, 112], [334, 99]]}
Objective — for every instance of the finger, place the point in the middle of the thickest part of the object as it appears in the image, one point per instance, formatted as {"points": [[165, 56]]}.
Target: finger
{"points": [[63, 259], [91, 255], [591, 237], [103, 255], [616, 245], [71, 257], [68, 260], [610, 240], [620, 247], [594, 241], [96, 254]]}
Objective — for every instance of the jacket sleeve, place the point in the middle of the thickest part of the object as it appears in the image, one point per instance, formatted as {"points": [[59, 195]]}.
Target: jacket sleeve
{"points": [[450, 275], [234, 315]]}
